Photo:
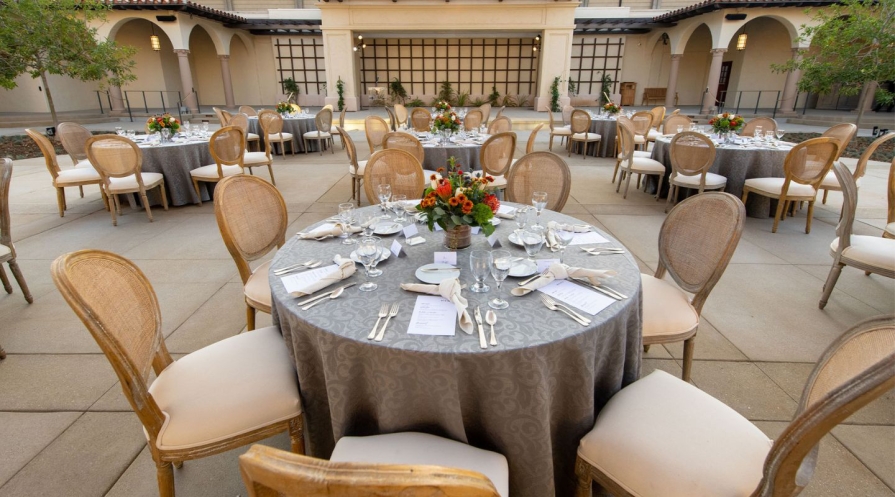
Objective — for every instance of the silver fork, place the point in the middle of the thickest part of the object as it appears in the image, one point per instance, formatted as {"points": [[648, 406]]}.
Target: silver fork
{"points": [[392, 313], [383, 312], [607, 251], [555, 306], [297, 267], [529, 280]]}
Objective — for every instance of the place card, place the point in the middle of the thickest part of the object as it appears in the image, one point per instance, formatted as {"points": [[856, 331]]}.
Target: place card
{"points": [[398, 249], [494, 241], [434, 316], [475, 229], [416, 241], [588, 237], [577, 296], [299, 281], [446, 258], [506, 210], [544, 264], [410, 231]]}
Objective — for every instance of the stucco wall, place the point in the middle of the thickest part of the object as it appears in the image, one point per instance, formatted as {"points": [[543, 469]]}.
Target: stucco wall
{"points": [[155, 71], [767, 42], [693, 71], [68, 95], [206, 68]]}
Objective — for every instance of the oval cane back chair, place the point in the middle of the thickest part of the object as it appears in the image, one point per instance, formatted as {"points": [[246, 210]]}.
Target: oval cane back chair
{"points": [[355, 167], [500, 112], [645, 441], [227, 116], [241, 121], [486, 112], [641, 123], [397, 168], [74, 138], [658, 114], [335, 130], [400, 114], [270, 471], [228, 147], [630, 162], [496, 156], [322, 135], [420, 119], [676, 112], [375, 128], [221, 117], [843, 133], [252, 218], [272, 126], [258, 158], [7, 249], [392, 119], [674, 121], [248, 110], [530, 144], [766, 123], [232, 393], [567, 114], [830, 183], [889, 231], [561, 131], [692, 154], [62, 178], [868, 253], [805, 167], [543, 172], [473, 120], [119, 161], [500, 125], [581, 132], [406, 142]]}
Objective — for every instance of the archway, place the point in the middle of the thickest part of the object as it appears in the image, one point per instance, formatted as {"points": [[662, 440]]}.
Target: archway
{"points": [[246, 88], [659, 63], [156, 71], [206, 68], [694, 66], [753, 84]]}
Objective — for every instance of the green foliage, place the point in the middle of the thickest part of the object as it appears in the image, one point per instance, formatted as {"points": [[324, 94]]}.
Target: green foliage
{"points": [[416, 102], [492, 98], [509, 101], [397, 91], [522, 101], [446, 93], [40, 37], [478, 102], [573, 88], [605, 88], [290, 88], [462, 98], [340, 89], [554, 95]]}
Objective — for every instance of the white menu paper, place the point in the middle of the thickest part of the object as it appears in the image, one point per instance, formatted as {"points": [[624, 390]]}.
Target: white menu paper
{"points": [[588, 237], [433, 315], [449, 258], [298, 281], [577, 296]]}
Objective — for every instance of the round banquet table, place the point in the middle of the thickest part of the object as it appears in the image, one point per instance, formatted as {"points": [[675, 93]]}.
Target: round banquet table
{"points": [[737, 164], [606, 128], [467, 156], [531, 398], [298, 126], [175, 160]]}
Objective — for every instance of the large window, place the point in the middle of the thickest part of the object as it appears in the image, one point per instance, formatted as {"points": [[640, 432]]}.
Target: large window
{"points": [[301, 58], [593, 56]]}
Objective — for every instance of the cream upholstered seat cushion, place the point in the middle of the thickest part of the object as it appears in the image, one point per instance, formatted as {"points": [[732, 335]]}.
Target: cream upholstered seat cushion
{"points": [[84, 163], [211, 171], [639, 139], [317, 134], [661, 436], [500, 181], [280, 136], [76, 175], [255, 158], [359, 171], [644, 164], [712, 180], [873, 250], [830, 181], [257, 289], [652, 135], [252, 137], [565, 130], [638, 153], [230, 387], [587, 136], [774, 186], [890, 229], [424, 449], [4, 251], [666, 309], [129, 183]]}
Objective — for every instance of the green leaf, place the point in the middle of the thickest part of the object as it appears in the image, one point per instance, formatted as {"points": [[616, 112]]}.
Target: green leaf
{"points": [[439, 211]]}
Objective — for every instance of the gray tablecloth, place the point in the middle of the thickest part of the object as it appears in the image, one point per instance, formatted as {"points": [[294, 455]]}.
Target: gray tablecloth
{"points": [[175, 161], [298, 126], [607, 131], [531, 398], [737, 164], [467, 156]]}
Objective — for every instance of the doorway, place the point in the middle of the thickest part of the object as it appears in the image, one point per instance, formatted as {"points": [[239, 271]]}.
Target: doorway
{"points": [[723, 81]]}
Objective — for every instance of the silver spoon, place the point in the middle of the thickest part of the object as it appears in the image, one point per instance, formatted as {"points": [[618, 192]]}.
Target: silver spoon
{"points": [[336, 294], [491, 318]]}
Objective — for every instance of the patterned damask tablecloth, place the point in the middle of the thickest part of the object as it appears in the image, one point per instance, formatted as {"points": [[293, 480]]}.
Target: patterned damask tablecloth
{"points": [[298, 126], [466, 155], [531, 398], [606, 128], [175, 161]]}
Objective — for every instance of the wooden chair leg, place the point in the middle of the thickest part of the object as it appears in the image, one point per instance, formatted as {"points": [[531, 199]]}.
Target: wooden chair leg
{"points": [[824, 200], [551, 143], [582, 475], [779, 214], [296, 436], [165, 476], [60, 199], [164, 194], [115, 210], [270, 170], [627, 183], [177, 464], [20, 279], [146, 205], [689, 345], [2, 354], [810, 215], [658, 187], [832, 278], [198, 193], [81, 189], [672, 191], [250, 317], [5, 280]]}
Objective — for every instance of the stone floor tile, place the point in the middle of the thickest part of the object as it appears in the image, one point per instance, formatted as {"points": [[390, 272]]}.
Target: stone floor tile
{"points": [[670, 366], [197, 237], [790, 243], [25, 434], [187, 271], [710, 345], [873, 446], [53, 382], [222, 316], [745, 388], [47, 336], [640, 234]]}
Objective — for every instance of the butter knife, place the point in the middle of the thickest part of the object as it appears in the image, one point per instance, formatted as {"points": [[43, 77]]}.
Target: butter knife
{"points": [[324, 295], [478, 320], [604, 291]]}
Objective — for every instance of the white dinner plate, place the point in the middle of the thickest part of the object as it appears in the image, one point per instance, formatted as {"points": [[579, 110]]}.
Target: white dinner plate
{"points": [[384, 254], [514, 239], [387, 228], [436, 277], [523, 268]]}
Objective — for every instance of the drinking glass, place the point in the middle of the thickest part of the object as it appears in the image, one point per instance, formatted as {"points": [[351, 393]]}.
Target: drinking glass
{"points": [[204, 128], [501, 262], [186, 128], [779, 134], [769, 136], [532, 240], [131, 134], [365, 217], [398, 202], [367, 252], [166, 134], [539, 201], [680, 128], [480, 264], [564, 234], [119, 130], [373, 271], [384, 192], [346, 217], [522, 219]]}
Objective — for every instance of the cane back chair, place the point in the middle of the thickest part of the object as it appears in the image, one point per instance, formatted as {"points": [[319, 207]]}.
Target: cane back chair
{"points": [[496, 156], [543, 172], [397, 168], [692, 154], [7, 249], [62, 178], [830, 183]]}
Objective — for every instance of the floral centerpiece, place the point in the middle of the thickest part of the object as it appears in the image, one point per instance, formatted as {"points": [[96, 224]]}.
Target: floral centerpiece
{"points": [[726, 122], [611, 108], [284, 107], [164, 121], [442, 106], [456, 200], [445, 121]]}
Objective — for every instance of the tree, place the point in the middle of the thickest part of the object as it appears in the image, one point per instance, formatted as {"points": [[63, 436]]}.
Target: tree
{"points": [[853, 46], [41, 37]]}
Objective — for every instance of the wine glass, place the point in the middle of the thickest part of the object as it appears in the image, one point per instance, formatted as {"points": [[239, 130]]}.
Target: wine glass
{"points": [[539, 201], [119, 130], [779, 134], [373, 271], [532, 240], [758, 134], [480, 264], [166, 134], [366, 217], [204, 128], [680, 128], [384, 192], [398, 202], [564, 234], [521, 218], [501, 262], [346, 217], [367, 252], [132, 134], [186, 128]]}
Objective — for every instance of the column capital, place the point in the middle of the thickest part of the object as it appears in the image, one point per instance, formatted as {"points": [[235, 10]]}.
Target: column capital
{"points": [[718, 51], [182, 52], [677, 56], [223, 57]]}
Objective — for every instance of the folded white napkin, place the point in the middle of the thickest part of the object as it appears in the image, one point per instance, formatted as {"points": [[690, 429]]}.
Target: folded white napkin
{"points": [[506, 212], [552, 242], [449, 289], [329, 230], [558, 271], [346, 269]]}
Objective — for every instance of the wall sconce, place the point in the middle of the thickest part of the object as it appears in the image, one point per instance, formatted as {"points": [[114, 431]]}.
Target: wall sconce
{"points": [[536, 45], [154, 42], [741, 40], [360, 43]]}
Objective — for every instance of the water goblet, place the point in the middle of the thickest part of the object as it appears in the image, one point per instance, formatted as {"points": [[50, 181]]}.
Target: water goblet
{"points": [[119, 130], [373, 271], [539, 201], [480, 264], [564, 234], [366, 217], [397, 205], [367, 252], [501, 262], [131, 134], [522, 219], [680, 128], [166, 134], [204, 128], [384, 192], [532, 240], [769, 137], [186, 128], [779, 133], [346, 217]]}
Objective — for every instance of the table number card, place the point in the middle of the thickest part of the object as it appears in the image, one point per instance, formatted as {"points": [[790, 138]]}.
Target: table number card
{"points": [[475, 229], [398, 249], [410, 231], [494, 241], [446, 258]]}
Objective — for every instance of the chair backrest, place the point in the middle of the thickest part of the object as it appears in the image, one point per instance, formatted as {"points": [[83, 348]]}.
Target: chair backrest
{"points": [[808, 162], [497, 152], [228, 147], [241, 121], [849, 206], [5, 180], [642, 122], [248, 110], [267, 472], [349, 147], [861, 168], [420, 118], [375, 128], [119, 308], [857, 368], [658, 114], [252, 217], [486, 112], [48, 151], [226, 115], [220, 115], [500, 112], [843, 133], [692, 154], [392, 120], [551, 120], [405, 142], [674, 121], [115, 156], [625, 136], [676, 112], [698, 239], [766, 123], [324, 120], [530, 145], [580, 121], [473, 119], [500, 125], [567, 114], [394, 167], [541, 172], [329, 106], [342, 118], [400, 113], [890, 218], [74, 140], [271, 123]]}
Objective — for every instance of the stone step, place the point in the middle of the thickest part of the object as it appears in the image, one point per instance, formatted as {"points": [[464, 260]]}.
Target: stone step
{"points": [[867, 122]]}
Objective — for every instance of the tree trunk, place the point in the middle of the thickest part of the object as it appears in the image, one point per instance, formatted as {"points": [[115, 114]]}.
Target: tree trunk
{"points": [[43, 78], [869, 92]]}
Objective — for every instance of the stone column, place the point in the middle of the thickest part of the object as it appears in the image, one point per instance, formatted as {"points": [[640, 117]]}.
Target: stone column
{"points": [[672, 80], [708, 100], [186, 80], [225, 77], [790, 87], [554, 56], [116, 98], [339, 59]]}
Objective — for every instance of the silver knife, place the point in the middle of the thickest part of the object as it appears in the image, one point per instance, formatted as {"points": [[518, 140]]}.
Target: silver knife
{"points": [[602, 290], [324, 295], [478, 319]]}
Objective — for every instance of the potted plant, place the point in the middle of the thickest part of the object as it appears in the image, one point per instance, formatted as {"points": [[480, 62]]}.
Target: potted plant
{"points": [[725, 123], [163, 122], [612, 109]]}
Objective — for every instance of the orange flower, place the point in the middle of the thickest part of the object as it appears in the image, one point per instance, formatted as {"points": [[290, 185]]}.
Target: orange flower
{"points": [[461, 197], [467, 206], [453, 202]]}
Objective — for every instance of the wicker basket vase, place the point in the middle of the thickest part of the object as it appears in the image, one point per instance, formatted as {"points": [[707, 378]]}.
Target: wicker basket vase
{"points": [[458, 238]]}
